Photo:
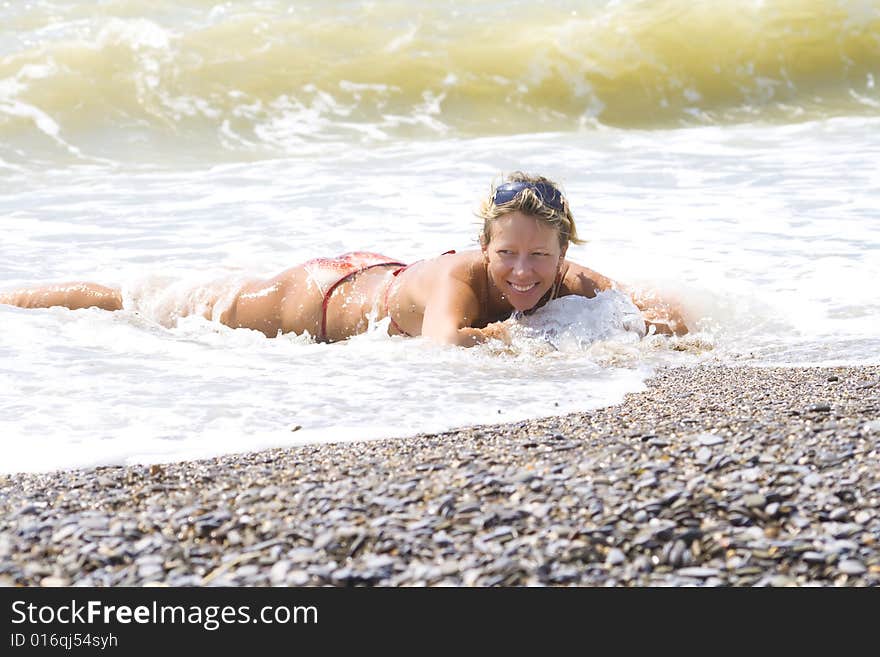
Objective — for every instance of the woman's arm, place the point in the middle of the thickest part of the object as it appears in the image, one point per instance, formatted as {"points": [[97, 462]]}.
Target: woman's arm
{"points": [[69, 295], [450, 310], [663, 315]]}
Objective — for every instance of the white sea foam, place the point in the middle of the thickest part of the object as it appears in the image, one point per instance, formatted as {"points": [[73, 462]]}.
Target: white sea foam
{"points": [[572, 323]]}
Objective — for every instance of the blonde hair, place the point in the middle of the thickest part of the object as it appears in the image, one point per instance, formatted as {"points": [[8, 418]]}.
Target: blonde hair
{"points": [[530, 203]]}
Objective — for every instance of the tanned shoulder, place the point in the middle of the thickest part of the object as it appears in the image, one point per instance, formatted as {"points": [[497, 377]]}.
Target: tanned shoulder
{"points": [[583, 281]]}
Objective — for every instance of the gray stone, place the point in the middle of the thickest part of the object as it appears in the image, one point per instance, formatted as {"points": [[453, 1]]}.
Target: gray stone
{"points": [[696, 571], [851, 567], [615, 557], [709, 439], [278, 572]]}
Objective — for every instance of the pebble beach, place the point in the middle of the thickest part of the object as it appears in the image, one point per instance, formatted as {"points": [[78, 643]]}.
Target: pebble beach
{"points": [[713, 476]]}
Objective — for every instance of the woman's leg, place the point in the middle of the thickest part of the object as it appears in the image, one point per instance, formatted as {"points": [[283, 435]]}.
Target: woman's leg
{"points": [[69, 295]]}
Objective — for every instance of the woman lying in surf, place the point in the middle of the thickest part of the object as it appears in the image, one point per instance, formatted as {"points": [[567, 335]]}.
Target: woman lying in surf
{"points": [[456, 298]]}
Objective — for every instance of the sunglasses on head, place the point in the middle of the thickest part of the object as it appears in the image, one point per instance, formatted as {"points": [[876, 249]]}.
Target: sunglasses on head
{"points": [[549, 195]]}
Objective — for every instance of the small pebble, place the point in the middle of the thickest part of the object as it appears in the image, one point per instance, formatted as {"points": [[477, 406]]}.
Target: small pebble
{"points": [[851, 567], [615, 557], [697, 572]]}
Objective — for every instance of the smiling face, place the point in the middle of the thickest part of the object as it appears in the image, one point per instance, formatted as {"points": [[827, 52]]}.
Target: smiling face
{"points": [[523, 257]]}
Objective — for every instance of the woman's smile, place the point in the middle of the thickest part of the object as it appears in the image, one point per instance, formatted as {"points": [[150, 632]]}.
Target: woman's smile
{"points": [[522, 289]]}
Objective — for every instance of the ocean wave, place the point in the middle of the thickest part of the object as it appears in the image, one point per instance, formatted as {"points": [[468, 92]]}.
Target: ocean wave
{"points": [[130, 77]]}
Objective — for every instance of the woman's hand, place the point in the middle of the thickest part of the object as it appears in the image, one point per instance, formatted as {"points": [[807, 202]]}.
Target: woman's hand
{"points": [[497, 331], [664, 315], [469, 336]]}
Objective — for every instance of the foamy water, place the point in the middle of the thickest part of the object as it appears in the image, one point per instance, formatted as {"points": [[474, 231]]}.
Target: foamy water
{"points": [[767, 231]]}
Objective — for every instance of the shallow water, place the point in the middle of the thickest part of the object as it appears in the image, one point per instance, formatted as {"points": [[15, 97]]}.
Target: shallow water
{"points": [[761, 218]]}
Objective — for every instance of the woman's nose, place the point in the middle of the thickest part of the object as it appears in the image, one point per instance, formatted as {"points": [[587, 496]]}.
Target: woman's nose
{"points": [[521, 265]]}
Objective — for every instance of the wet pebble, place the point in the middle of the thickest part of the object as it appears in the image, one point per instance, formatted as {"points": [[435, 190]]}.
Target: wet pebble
{"points": [[851, 567], [709, 439], [615, 557], [697, 572]]}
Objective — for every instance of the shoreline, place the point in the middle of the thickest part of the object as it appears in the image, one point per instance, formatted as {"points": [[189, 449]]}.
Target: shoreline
{"points": [[712, 476]]}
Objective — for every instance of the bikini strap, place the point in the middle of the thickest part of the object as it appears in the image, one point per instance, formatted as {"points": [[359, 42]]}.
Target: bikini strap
{"points": [[557, 284]]}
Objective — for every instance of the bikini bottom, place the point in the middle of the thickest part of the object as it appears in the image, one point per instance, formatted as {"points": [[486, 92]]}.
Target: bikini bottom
{"points": [[330, 273]]}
